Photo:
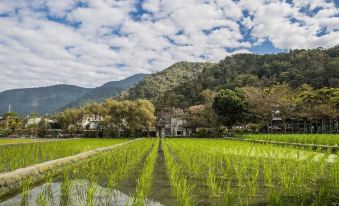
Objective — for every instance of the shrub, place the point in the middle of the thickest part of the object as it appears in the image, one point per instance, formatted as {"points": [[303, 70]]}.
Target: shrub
{"points": [[254, 127], [4, 132]]}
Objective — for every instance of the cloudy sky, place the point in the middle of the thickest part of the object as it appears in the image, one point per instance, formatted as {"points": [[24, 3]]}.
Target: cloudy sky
{"points": [[90, 42]]}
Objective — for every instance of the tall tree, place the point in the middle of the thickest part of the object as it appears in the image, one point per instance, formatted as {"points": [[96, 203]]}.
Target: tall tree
{"points": [[230, 107], [264, 103], [71, 119]]}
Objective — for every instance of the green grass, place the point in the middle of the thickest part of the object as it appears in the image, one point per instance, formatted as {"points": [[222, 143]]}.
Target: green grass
{"points": [[320, 139], [17, 156]]}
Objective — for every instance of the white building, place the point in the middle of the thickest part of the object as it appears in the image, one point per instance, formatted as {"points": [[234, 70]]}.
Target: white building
{"points": [[172, 123], [91, 122], [37, 120], [33, 121]]}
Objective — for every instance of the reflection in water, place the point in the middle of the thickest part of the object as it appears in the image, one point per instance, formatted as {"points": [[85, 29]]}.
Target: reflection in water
{"points": [[51, 194]]}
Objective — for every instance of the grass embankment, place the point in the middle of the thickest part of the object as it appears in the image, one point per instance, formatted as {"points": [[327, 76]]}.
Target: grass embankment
{"points": [[18, 156], [318, 139]]}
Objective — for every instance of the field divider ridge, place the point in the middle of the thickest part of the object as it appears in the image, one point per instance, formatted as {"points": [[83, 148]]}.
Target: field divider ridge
{"points": [[11, 181]]}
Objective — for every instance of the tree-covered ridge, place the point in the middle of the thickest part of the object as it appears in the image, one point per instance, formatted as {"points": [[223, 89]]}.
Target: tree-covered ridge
{"points": [[156, 84], [318, 68]]}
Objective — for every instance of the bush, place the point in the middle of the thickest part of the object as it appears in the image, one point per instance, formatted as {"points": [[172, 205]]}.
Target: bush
{"points": [[205, 133], [92, 133], [4, 132], [254, 127]]}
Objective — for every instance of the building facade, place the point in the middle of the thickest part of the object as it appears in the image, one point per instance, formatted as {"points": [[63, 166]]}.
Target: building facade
{"points": [[172, 122]]}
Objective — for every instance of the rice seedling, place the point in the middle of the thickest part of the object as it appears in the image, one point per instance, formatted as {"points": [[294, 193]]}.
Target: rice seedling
{"points": [[213, 184], [291, 174], [320, 139], [144, 182], [229, 195], [14, 141], [200, 172], [181, 187], [25, 188], [17, 156]]}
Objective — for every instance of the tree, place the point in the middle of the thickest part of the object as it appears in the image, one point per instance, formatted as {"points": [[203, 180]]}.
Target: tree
{"points": [[229, 106], [264, 103], [129, 115], [12, 121], [208, 96], [141, 116], [42, 128], [71, 119], [14, 124], [94, 108], [116, 113], [202, 116]]}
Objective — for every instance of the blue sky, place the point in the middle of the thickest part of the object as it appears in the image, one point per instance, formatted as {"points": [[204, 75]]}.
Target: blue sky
{"points": [[90, 42]]}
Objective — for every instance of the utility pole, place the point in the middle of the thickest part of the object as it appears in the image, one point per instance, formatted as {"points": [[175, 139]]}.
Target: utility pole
{"points": [[9, 110]]}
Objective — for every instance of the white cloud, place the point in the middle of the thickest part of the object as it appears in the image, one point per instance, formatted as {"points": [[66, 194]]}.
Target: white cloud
{"points": [[45, 42], [293, 25]]}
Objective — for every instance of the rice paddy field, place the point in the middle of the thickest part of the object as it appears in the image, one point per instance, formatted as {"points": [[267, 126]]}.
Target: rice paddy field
{"points": [[319, 139], [21, 155], [185, 172], [13, 141]]}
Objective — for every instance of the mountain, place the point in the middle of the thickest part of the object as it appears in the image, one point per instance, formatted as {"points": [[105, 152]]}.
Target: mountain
{"points": [[106, 91], [182, 84], [158, 83], [41, 100], [52, 99]]}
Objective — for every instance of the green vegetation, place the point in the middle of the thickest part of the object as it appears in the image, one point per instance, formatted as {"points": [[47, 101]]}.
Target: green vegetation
{"points": [[144, 182], [318, 68], [106, 91], [95, 181], [199, 171], [17, 156], [14, 141], [157, 84], [243, 173], [132, 117], [320, 139], [55, 98], [229, 106], [41, 100], [181, 187], [301, 86]]}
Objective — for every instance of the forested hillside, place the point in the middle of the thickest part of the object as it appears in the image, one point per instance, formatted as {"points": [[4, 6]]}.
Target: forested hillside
{"points": [[318, 68], [160, 82]]}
